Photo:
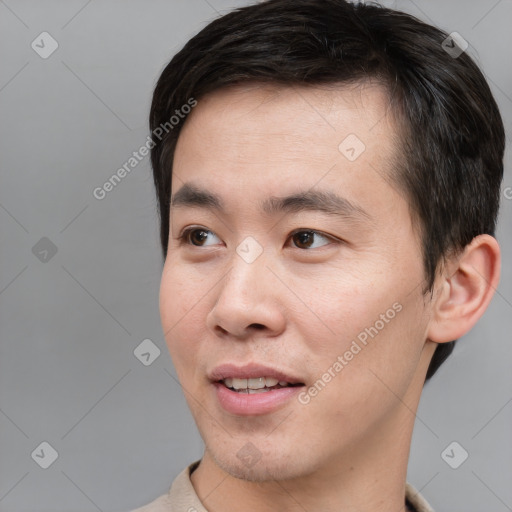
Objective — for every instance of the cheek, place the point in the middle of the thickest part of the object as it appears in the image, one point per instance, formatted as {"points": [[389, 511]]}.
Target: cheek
{"points": [[371, 378], [180, 294], [181, 312], [337, 310], [376, 322]]}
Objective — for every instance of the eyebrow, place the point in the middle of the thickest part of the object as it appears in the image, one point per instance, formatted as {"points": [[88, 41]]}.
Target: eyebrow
{"points": [[191, 196]]}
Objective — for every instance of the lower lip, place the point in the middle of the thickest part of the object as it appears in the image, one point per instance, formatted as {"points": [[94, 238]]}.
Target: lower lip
{"points": [[256, 403]]}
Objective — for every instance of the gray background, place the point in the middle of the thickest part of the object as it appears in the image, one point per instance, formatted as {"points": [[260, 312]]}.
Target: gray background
{"points": [[70, 324]]}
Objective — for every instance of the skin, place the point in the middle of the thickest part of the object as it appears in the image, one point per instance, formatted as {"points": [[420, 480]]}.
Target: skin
{"points": [[299, 305]]}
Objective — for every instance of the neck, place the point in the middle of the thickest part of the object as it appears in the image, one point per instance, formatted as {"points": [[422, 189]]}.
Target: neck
{"points": [[367, 476]]}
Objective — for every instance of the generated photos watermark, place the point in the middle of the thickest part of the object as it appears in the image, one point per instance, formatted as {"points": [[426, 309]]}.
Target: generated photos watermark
{"points": [[355, 348], [133, 161]]}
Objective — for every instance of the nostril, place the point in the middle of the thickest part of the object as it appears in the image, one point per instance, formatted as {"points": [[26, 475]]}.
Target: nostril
{"points": [[221, 331]]}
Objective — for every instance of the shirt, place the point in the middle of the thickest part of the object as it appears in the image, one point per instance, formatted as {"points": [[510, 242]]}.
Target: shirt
{"points": [[182, 497]]}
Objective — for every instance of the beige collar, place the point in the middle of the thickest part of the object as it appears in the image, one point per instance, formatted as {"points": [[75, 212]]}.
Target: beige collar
{"points": [[182, 497]]}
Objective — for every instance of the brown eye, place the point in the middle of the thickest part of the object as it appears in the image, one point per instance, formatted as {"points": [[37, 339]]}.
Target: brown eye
{"points": [[198, 237], [308, 239], [303, 239]]}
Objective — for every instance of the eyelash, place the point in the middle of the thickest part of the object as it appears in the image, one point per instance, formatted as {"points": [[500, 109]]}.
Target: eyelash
{"points": [[183, 238]]}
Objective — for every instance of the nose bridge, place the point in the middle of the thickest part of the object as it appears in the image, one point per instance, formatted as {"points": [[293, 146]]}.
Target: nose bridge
{"points": [[248, 275], [247, 296]]}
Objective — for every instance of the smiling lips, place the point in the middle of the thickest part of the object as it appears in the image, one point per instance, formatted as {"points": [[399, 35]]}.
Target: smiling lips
{"points": [[252, 375], [252, 389], [254, 385]]}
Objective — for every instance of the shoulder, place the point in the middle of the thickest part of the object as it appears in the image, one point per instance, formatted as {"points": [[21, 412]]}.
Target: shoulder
{"points": [[181, 496]]}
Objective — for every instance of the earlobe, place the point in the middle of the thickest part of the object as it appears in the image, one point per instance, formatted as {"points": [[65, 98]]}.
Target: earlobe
{"points": [[465, 289]]}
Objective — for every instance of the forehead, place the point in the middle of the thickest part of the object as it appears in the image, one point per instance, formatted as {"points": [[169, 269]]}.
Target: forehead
{"points": [[267, 137], [307, 119]]}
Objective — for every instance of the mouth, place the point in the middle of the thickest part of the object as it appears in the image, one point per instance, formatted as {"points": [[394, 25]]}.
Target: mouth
{"points": [[253, 389], [256, 385]]}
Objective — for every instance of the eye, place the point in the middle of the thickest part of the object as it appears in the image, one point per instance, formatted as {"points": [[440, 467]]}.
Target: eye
{"points": [[198, 237], [305, 239]]}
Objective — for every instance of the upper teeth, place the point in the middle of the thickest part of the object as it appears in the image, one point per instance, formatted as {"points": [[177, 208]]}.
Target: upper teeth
{"points": [[257, 383]]}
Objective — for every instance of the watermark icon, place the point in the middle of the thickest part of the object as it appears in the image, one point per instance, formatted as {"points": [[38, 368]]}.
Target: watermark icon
{"points": [[146, 352], [249, 249], [454, 45], [507, 192], [249, 454], [454, 455], [44, 45], [342, 360], [44, 250], [45, 455], [159, 132], [351, 147]]}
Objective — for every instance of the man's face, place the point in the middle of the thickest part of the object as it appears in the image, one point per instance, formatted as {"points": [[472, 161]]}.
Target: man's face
{"points": [[323, 293]]}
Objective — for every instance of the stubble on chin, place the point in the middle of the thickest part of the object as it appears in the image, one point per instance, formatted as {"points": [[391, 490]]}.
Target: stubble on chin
{"points": [[251, 465]]}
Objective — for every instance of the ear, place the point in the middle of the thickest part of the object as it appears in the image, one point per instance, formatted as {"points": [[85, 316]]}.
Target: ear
{"points": [[464, 289]]}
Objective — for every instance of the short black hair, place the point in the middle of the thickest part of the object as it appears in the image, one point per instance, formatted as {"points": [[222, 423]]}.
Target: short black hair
{"points": [[451, 133]]}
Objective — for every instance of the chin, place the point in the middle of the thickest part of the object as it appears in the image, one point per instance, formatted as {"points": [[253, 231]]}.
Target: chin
{"points": [[261, 466]]}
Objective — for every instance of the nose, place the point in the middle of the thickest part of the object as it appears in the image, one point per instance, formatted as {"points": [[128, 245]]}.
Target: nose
{"points": [[249, 301]]}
